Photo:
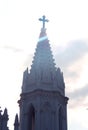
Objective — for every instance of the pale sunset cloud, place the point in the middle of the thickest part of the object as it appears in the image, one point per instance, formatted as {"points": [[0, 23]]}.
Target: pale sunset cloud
{"points": [[68, 35]]}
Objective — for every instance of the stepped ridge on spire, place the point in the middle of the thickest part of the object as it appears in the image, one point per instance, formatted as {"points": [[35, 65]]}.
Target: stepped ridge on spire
{"points": [[43, 73]]}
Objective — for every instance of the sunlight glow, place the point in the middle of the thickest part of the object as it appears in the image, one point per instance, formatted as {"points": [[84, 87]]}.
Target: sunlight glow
{"points": [[42, 39]]}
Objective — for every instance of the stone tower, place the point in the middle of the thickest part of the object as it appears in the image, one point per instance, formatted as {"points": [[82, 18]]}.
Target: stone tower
{"points": [[43, 105]]}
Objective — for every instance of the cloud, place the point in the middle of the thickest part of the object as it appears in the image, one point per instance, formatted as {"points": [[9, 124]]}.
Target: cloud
{"points": [[79, 93], [14, 49], [73, 52], [28, 62], [78, 97], [71, 60]]}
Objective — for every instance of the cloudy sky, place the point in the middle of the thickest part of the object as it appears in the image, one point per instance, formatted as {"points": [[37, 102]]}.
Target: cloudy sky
{"points": [[68, 35]]}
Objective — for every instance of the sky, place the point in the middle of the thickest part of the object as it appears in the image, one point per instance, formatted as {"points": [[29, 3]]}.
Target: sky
{"points": [[67, 32]]}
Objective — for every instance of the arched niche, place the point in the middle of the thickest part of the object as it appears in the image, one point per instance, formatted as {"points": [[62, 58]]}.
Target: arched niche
{"points": [[45, 116], [31, 117], [60, 118]]}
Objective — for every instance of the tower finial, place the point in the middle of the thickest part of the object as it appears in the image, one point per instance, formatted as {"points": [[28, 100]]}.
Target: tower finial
{"points": [[43, 19]]}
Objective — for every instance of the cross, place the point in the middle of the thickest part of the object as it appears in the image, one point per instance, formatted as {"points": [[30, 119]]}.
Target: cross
{"points": [[43, 19]]}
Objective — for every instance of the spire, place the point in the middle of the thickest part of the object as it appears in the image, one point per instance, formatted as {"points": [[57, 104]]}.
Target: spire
{"points": [[5, 120], [5, 114], [43, 61], [16, 123], [43, 73]]}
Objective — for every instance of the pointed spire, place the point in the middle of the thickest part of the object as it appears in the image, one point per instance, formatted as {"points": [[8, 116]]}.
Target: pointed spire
{"points": [[16, 123], [43, 63], [43, 73], [25, 77], [5, 114], [5, 120]]}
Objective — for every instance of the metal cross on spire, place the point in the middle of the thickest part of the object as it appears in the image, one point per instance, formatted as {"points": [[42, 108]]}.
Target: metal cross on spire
{"points": [[43, 19]]}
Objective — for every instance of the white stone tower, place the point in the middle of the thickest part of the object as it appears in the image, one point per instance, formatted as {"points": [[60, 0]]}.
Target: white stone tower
{"points": [[43, 105]]}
